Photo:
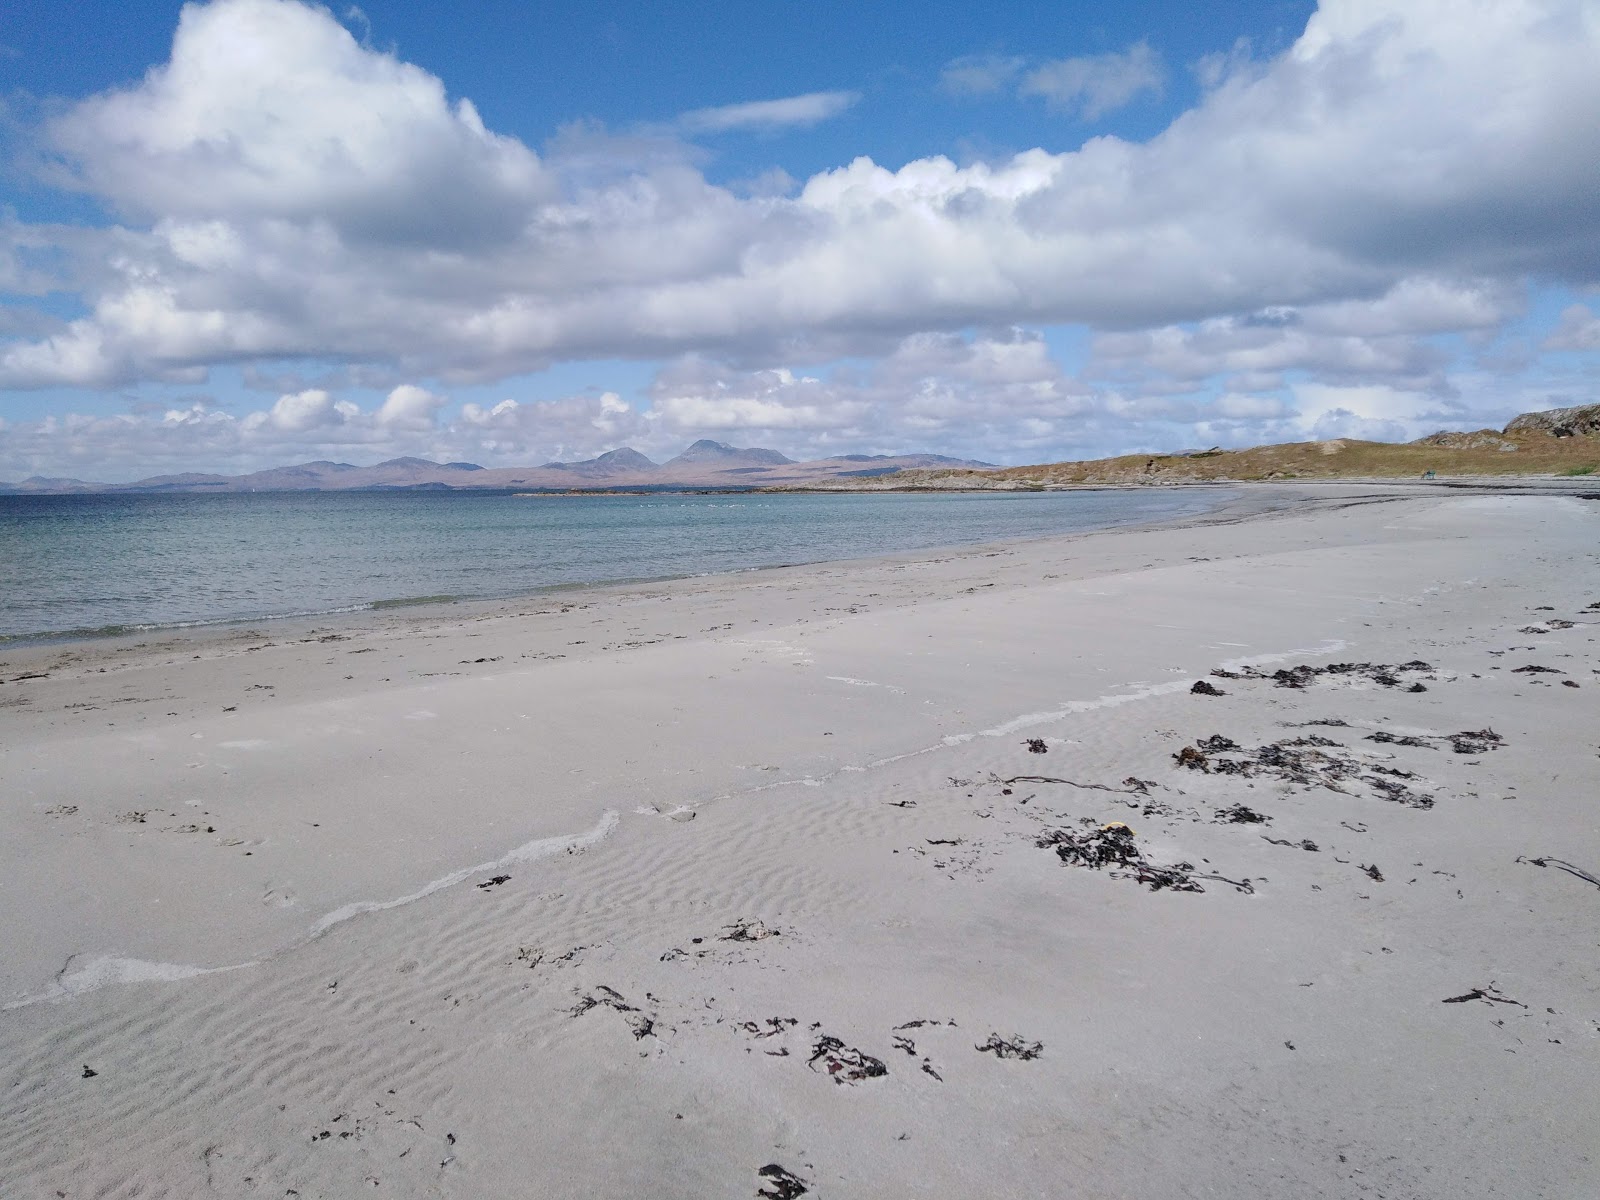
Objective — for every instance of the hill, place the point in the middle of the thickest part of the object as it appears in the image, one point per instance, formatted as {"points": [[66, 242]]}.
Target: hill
{"points": [[1562, 441]]}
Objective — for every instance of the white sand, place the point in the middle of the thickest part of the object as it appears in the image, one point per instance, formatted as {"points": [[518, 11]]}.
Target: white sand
{"points": [[239, 875]]}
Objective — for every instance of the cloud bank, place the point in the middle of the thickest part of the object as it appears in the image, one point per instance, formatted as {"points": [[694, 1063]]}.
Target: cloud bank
{"points": [[278, 192]]}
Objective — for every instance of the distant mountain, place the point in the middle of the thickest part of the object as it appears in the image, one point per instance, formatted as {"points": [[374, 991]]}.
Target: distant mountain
{"points": [[706, 463], [612, 463], [722, 456], [187, 481], [412, 464]]}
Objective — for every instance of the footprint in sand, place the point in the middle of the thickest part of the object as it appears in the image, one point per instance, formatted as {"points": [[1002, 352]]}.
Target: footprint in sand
{"points": [[279, 896]]}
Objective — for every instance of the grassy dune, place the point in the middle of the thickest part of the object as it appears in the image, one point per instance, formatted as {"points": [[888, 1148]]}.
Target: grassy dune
{"points": [[1563, 442]]}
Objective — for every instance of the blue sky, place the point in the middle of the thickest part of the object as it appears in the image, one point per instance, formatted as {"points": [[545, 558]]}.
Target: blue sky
{"points": [[254, 231]]}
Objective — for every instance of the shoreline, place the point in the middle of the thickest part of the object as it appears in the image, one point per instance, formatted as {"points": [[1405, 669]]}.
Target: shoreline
{"points": [[426, 607], [830, 825], [357, 608]]}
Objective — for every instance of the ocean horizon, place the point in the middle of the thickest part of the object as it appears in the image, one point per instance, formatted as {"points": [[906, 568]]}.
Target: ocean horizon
{"points": [[79, 566]]}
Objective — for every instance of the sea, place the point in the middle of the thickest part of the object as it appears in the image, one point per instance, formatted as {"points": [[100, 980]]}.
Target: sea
{"points": [[78, 566]]}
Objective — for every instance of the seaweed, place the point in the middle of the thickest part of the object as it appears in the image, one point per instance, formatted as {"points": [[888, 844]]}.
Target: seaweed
{"points": [[1011, 1047], [845, 1064]]}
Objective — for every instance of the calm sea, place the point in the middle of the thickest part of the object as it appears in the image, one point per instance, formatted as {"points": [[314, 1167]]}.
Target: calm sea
{"points": [[85, 565]]}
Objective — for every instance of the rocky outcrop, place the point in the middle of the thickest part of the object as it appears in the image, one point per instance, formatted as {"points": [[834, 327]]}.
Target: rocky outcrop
{"points": [[1583, 420], [1475, 439]]}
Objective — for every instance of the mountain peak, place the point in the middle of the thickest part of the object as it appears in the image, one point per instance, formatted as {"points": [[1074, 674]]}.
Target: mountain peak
{"points": [[625, 458], [408, 461], [708, 451]]}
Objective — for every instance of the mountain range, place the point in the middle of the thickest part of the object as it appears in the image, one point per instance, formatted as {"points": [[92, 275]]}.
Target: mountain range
{"points": [[704, 464]]}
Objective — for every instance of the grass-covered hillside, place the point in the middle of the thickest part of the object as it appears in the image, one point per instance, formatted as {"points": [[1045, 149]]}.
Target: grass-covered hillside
{"points": [[1559, 442]]}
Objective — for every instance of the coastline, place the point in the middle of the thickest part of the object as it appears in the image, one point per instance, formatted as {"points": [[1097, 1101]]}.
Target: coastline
{"points": [[811, 748], [1251, 497], [560, 564]]}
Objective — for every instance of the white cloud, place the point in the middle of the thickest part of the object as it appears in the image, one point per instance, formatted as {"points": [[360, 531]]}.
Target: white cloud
{"points": [[1579, 330], [270, 110], [305, 410], [980, 74], [767, 115], [410, 407], [999, 395], [292, 196], [517, 433], [1373, 412], [1213, 70], [1386, 340], [1246, 407], [1097, 84]]}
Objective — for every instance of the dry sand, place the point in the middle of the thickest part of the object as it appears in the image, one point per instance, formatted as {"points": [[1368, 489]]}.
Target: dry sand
{"points": [[640, 891]]}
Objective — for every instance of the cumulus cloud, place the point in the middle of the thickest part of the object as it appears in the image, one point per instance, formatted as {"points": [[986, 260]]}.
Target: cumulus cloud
{"points": [[1384, 340], [1579, 329], [313, 423], [1097, 84], [1375, 412], [272, 110], [300, 412], [409, 407], [289, 195], [516, 433], [999, 394], [768, 115]]}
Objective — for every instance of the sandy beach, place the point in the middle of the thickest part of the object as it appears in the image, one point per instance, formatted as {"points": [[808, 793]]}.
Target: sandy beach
{"points": [[810, 881]]}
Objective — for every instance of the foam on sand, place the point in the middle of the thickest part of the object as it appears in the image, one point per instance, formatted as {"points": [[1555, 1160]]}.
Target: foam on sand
{"points": [[110, 971], [527, 852]]}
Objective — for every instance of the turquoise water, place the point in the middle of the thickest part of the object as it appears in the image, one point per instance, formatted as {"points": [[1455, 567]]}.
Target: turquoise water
{"points": [[83, 565]]}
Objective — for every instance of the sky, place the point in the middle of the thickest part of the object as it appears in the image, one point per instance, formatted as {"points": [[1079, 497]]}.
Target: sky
{"points": [[245, 233]]}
